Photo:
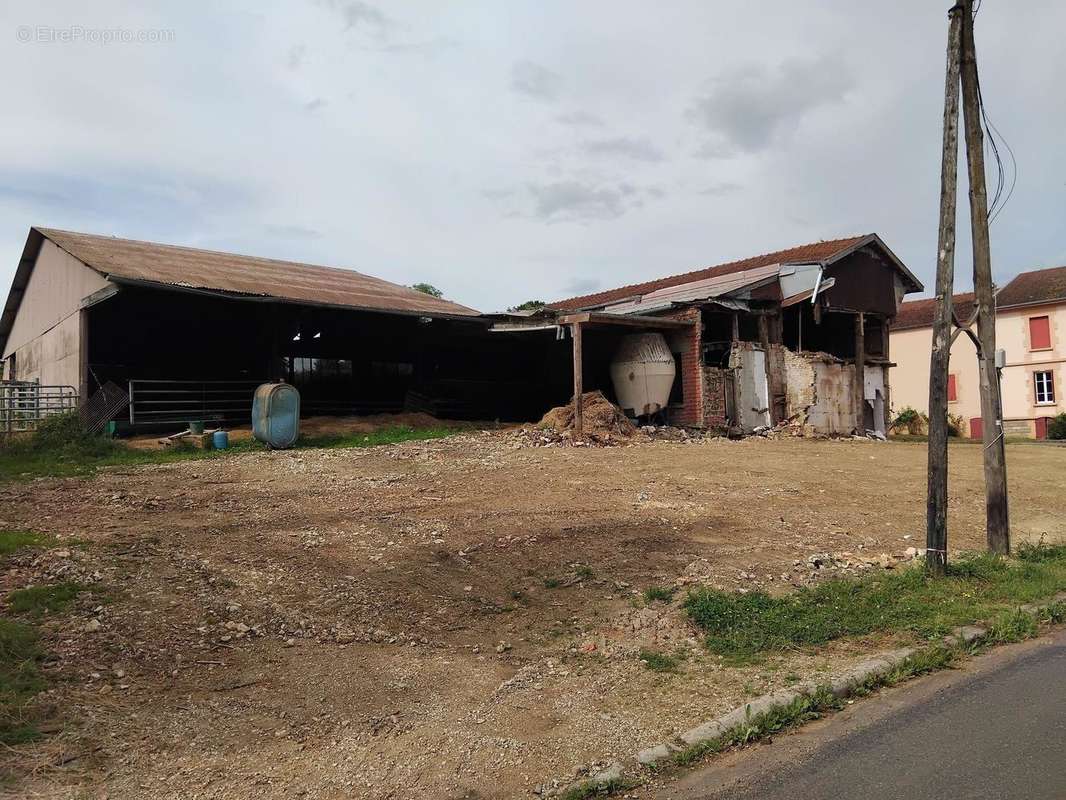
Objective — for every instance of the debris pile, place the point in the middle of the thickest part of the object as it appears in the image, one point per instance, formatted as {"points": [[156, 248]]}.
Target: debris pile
{"points": [[603, 424]]}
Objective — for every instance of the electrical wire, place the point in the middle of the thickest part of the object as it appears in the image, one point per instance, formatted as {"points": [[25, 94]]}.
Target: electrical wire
{"points": [[1003, 193]]}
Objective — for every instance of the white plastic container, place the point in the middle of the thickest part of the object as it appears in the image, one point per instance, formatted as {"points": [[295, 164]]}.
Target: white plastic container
{"points": [[643, 372]]}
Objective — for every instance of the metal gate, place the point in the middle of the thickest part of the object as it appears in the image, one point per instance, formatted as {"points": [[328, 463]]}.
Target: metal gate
{"points": [[154, 402], [23, 404]]}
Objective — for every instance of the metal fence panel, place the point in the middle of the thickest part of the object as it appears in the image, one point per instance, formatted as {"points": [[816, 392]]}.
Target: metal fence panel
{"points": [[23, 404]]}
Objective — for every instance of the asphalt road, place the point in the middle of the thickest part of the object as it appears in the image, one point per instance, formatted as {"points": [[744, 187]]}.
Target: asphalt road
{"points": [[996, 729]]}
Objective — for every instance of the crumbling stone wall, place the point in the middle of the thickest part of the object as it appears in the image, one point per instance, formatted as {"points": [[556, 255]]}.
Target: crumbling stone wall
{"points": [[714, 398]]}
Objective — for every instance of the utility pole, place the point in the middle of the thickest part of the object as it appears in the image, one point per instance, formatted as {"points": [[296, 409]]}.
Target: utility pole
{"points": [[936, 528], [995, 463]]}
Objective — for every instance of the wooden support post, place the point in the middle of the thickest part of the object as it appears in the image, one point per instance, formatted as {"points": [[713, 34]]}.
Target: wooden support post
{"points": [[860, 374], [83, 356], [736, 326], [936, 522], [887, 356], [579, 422], [995, 462]]}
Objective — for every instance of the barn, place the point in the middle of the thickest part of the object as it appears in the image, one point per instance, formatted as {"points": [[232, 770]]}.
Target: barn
{"points": [[796, 336], [189, 333]]}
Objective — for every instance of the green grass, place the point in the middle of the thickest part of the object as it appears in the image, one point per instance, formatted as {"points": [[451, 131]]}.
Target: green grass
{"points": [[583, 571], [587, 789], [660, 662], [977, 588], [62, 448], [662, 593], [44, 598], [552, 583], [13, 541], [20, 680]]}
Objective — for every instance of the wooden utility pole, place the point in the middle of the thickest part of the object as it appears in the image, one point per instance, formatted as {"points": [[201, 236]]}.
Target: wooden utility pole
{"points": [[579, 421], [936, 524], [995, 460]]}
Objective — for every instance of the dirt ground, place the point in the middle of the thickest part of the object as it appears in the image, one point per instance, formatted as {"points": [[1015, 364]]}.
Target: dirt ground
{"points": [[455, 618], [318, 426]]}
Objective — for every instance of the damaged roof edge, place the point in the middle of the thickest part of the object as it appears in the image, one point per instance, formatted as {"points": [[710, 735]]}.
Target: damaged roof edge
{"points": [[269, 298]]}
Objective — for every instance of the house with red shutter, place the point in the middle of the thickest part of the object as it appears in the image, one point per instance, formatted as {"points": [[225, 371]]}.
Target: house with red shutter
{"points": [[1031, 331]]}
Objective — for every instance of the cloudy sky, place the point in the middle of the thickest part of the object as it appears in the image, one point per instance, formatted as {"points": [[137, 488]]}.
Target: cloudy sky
{"points": [[513, 150]]}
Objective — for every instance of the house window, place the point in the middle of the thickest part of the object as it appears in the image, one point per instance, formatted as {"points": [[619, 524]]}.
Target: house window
{"points": [[1045, 388], [952, 390], [1039, 333]]}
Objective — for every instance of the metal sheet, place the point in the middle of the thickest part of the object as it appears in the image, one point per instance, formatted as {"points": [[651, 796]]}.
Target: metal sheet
{"points": [[186, 267]]}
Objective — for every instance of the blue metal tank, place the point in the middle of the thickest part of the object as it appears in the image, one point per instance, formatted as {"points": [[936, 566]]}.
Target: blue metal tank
{"points": [[276, 415]]}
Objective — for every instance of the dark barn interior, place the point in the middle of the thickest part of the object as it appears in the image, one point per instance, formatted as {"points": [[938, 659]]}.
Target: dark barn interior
{"points": [[193, 354]]}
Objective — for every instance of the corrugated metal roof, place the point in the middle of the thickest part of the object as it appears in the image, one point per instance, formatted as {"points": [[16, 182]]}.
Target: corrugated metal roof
{"points": [[702, 289], [818, 251], [189, 268]]}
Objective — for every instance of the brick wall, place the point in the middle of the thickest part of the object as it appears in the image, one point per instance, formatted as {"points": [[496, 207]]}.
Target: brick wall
{"points": [[688, 345]]}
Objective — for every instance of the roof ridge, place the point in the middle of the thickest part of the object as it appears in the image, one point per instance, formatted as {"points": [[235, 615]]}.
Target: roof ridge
{"points": [[46, 231], [690, 273]]}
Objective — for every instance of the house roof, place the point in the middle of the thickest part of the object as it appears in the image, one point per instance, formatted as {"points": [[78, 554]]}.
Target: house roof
{"points": [[825, 251], [920, 313], [1034, 287]]}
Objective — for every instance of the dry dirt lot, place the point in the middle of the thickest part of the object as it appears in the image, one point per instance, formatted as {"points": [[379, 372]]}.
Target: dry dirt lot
{"points": [[456, 618]]}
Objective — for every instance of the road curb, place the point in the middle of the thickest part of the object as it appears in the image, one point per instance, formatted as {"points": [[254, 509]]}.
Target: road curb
{"points": [[841, 685]]}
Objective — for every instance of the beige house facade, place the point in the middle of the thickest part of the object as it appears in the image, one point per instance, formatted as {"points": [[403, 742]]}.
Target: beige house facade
{"points": [[1030, 329]]}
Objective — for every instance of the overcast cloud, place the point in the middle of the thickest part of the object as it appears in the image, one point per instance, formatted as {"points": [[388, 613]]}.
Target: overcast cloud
{"points": [[508, 151]]}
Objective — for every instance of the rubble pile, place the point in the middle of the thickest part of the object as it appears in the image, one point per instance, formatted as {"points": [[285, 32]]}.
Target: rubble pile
{"points": [[603, 423]]}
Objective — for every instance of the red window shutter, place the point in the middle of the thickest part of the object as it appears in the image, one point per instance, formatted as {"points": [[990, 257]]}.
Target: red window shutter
{"points": [[952, 395], [1039, 333]]}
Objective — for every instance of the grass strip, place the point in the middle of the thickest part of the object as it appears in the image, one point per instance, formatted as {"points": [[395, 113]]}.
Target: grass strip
{"points": [[13, 541], [740, 627], [62, 447], [45, 598], [20, 680]]}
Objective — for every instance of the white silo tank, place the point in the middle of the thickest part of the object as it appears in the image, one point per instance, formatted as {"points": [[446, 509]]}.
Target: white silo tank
{"points": [[642, 372]]}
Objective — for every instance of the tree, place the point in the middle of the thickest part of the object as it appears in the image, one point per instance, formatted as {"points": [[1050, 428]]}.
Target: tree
{"points": [[529, 305], [428, 288]]}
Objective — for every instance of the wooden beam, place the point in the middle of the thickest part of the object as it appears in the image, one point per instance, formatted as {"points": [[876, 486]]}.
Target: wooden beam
{"points": [[860, 374], [625, 320], [579, 422]]}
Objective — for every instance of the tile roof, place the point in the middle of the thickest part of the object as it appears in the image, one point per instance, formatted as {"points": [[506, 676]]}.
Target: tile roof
{"points": [[186, 267], [1037, 286], [818, 251], [919, 313]]}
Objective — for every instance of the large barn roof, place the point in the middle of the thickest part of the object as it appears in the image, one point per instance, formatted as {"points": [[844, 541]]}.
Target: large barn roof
{"points": [[189, 268], [186, 268]]}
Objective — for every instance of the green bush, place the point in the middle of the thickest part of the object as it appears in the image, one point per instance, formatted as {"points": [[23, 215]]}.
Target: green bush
{"points": [[910, 420], [1056, 428], [63, 436]]}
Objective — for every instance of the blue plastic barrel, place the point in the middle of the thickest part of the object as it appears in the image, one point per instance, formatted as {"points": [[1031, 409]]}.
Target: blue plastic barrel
{"points": [[220, 440], [276, 415]]}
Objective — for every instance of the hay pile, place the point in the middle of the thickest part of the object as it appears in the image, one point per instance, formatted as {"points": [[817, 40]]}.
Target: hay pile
{"points": [[603, 423]]}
